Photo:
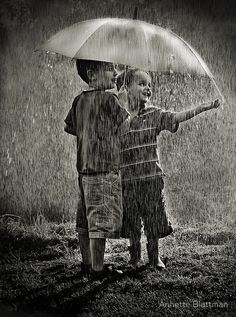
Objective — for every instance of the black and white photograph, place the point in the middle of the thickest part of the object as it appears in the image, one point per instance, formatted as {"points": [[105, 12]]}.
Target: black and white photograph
{"points": [[118, 158]]}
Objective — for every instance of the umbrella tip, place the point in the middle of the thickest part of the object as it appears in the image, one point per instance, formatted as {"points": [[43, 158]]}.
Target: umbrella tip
{"points": [[135, 16]]}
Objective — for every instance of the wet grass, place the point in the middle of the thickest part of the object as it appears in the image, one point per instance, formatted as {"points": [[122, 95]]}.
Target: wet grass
{"points": [[199, 280]]}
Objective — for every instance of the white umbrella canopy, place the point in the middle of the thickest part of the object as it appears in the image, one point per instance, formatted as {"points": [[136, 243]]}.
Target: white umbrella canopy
{"points": [[129, 42]]}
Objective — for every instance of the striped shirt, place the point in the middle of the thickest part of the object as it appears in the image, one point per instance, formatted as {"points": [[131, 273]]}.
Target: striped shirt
{"points": [[139, 155]]}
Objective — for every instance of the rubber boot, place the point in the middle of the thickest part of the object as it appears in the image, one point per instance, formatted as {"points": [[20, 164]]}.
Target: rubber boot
{"points": [[153, 255]]}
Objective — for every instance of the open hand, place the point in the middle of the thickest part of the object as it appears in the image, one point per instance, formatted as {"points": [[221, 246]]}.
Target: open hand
{"points": [[215, 104]]}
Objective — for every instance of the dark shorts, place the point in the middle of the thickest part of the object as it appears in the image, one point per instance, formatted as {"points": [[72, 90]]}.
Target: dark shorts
{"points": [[143, 199], [100, 211]]}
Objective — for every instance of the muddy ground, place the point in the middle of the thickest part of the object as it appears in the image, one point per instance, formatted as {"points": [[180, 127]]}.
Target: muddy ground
{"points": [[40, 275]]}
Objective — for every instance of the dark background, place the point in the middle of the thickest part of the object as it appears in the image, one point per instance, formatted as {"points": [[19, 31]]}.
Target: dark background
{"points": [[38, 174]]}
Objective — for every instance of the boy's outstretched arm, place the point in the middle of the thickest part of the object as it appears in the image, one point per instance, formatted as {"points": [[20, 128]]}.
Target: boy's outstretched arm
{"points": [[188, 114]]}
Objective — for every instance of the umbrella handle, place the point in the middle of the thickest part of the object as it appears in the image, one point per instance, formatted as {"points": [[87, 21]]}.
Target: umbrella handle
{"points": [[135, 16], [125, 73]]}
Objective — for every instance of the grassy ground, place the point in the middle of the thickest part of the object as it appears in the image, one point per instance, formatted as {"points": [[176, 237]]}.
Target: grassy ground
{"points": [[40, 275]]}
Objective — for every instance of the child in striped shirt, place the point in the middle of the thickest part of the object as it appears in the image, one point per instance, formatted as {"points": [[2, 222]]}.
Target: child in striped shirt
{"points": [[142, 175]]}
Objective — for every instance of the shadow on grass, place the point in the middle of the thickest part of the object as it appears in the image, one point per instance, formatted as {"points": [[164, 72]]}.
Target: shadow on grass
{"points": [[32, 282]]}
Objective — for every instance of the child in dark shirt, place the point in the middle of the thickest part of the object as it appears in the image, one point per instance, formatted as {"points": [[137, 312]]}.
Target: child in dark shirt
{"points": [[142, 176], [95, 119]]}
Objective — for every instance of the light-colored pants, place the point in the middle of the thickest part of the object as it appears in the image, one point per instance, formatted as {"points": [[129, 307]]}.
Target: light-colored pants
{"points": [[100, 212]]}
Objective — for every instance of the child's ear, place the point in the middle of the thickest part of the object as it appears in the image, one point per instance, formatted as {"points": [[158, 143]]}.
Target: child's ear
{"points": [[92, 76]]}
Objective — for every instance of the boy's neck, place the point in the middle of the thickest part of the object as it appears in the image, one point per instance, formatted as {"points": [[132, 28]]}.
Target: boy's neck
{"points": [[95, 86]]}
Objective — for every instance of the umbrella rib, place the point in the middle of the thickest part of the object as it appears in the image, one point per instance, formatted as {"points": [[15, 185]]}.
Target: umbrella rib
{"points": [[198, 57], [208, 72], [106, 21]]}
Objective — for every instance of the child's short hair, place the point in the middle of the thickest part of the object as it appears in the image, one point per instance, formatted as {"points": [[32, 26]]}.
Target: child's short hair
{"points": [[127, 77], [83, 65]]}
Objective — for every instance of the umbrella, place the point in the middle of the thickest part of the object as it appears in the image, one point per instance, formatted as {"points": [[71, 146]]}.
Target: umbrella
{"points": [[129, 42]]}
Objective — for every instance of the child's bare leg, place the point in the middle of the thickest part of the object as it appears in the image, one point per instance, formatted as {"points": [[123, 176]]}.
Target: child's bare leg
{"points": [[153, 253], [97, 249]]}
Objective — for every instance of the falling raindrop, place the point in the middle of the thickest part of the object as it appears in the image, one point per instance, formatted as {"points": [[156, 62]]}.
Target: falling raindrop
{"points": [[13, 138], [8, 157]]}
